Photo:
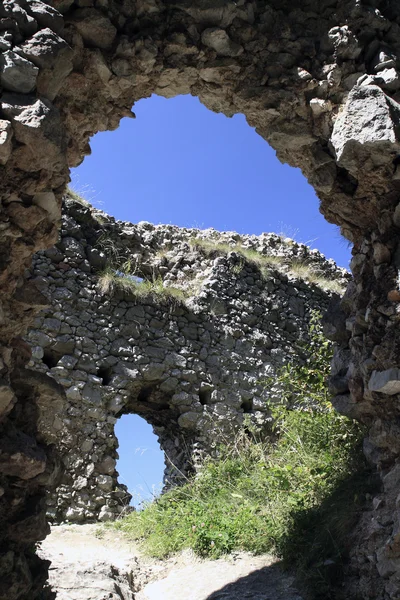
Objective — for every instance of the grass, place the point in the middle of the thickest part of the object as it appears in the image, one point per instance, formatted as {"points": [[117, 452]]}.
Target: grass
{"points": [[112, 281], [261, 497], [211, 247], [298, 269], [297, 495], [77, 197], [302, 270]]}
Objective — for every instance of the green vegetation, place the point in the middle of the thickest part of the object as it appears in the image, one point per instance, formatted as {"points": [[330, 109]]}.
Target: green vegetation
{"points": [[77, 197], [296, 268], [113, 280], [307, 272], [124, 276], [304, 385], [297, 496]]}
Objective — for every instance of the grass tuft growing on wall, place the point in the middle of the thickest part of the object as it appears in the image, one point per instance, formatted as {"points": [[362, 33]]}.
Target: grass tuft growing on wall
{"points": [[295, 268], [77, 197], [112, 281]]}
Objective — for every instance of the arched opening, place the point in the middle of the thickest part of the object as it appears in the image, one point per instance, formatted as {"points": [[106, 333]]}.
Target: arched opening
{"points": [[141, 462], [182, 151], [180, 163]]}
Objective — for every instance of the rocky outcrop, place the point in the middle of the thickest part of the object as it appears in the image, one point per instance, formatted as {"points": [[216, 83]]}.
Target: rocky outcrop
{"points": [[319, 81], [196, 365]]}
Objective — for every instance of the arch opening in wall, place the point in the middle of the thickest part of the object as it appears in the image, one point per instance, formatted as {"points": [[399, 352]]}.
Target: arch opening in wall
{"points": [[141, 461], [196, 168]]}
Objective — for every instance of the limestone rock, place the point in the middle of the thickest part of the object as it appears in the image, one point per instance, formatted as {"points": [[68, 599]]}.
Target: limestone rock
{"points": [[36, 125], [47, 201], [16, 73], [46, 15], [218, 40], [345, 43], [94, 27], [7, 399], [53, 56], [26, 23], [389, 79], [6, 134], [385, 382], [21, 457], [365, 124]]}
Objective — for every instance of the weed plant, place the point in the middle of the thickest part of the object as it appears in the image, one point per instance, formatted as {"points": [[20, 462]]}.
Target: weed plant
{"points": [[112, 281], [297, 496], [77, 197], [295, 268]]}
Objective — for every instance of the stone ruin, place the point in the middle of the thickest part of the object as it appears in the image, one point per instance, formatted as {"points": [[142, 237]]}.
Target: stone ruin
{"points": [[196, 368], [319, 79]]}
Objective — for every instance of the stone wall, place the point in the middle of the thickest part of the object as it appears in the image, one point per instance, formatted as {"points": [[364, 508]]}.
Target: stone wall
{"points": [[319, 79], [193, 367]]}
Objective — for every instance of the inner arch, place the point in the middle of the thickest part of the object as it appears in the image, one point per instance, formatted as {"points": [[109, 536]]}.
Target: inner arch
{"points": [[141, 461]]}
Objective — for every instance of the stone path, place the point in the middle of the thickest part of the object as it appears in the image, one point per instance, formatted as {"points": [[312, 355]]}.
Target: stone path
{"points": [[92, 563]]}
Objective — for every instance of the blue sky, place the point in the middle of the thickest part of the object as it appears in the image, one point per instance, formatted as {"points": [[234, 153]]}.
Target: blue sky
{"points": [[179, 163]]}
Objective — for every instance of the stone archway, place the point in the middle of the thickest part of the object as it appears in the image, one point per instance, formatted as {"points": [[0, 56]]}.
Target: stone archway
{"points": [[318, 80]]}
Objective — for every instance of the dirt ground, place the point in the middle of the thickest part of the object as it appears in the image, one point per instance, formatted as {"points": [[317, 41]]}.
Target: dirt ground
{"points": [[91, 562]]}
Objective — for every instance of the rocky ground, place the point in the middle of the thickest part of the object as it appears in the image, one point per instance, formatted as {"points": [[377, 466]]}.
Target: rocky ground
{"points": [[93, 563]]}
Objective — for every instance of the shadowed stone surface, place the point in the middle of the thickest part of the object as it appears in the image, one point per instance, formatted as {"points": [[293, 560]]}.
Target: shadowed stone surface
{"points": [[305, 74]]}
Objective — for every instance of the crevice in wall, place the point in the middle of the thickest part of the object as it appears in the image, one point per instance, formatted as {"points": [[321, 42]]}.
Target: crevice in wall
{"points": [[105, 374], [247, 406], [205, 396], [51, 357]]}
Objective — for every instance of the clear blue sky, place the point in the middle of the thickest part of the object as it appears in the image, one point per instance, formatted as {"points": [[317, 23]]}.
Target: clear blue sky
{"points": [[180, 163]]}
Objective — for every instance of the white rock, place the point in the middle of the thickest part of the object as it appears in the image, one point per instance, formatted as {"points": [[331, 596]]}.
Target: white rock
{"points": [[385, 382], [6, 134], [17, 74]]}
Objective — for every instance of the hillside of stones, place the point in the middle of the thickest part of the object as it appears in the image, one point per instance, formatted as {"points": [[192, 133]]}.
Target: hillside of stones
{"points": [[197, 365]]}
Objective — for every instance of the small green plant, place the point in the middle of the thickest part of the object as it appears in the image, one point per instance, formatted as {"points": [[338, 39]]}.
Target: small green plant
{"points": [[305, 271], [209, 246], [306, 383], [99, 533], [163, 251], [238, 267]]}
